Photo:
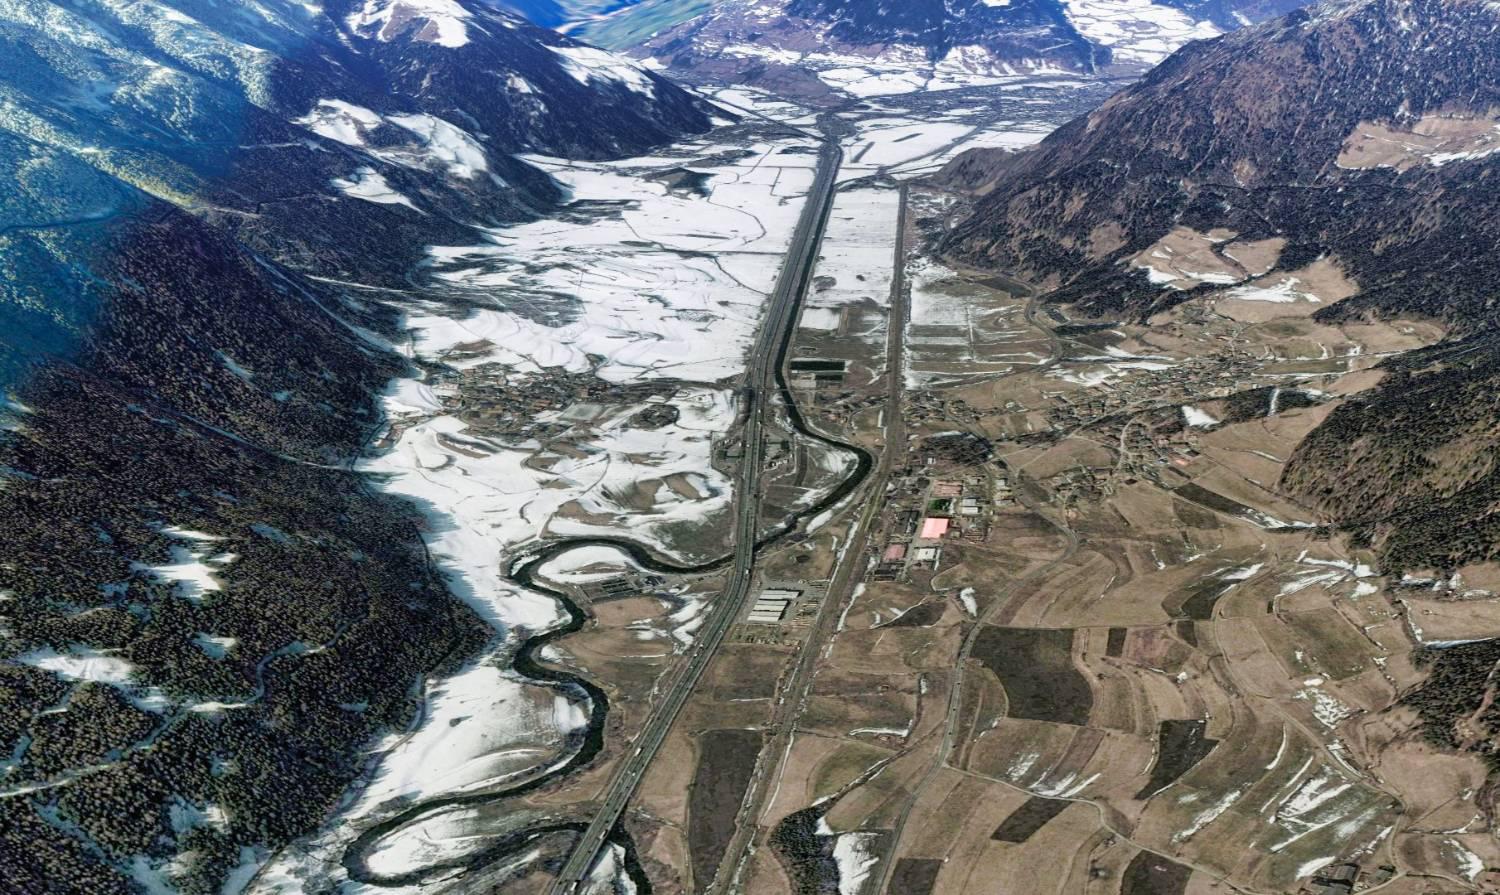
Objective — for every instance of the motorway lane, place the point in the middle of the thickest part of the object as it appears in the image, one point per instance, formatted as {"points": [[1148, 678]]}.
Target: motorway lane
{"points": [[798, 689], [760, 380]]}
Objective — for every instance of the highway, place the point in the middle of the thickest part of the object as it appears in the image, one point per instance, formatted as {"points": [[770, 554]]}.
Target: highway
{"points": [[760, 384], [798, 690]]}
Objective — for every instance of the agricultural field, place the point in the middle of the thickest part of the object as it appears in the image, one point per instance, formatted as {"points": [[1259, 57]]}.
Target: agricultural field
{"points": [[1126, 661]]}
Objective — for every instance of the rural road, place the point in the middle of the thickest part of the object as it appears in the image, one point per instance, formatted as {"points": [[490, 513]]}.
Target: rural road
{"points": [[791, 285], [1001, 601]]}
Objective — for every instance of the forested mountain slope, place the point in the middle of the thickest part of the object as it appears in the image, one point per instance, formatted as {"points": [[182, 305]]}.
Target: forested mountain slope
{"points": [[1360, 140], [210, 222]]}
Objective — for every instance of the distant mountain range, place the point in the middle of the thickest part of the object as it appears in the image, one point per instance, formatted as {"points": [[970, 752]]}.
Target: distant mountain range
{"points": [[824, 48], [598, 20], [1361, 138], [212, 215], [636, 22]]}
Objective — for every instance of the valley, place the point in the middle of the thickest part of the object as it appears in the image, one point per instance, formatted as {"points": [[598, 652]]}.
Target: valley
{"points": [[595, 543], [960, 448], [1066, 591], [922, 684]]}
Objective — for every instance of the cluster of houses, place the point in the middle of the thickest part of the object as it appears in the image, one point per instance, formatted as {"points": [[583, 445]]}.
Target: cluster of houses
{"points": [[924, 514]]}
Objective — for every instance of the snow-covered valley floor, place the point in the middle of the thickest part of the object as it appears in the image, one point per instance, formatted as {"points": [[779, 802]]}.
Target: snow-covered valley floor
{"points": [[571, 379], [653, 279]]}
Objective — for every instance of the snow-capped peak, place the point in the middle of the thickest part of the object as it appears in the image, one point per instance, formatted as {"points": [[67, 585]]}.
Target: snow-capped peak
{"points": [[442, 22]]}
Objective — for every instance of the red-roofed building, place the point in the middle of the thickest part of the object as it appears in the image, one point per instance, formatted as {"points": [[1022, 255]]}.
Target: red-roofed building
{"points": [[933, 527]]}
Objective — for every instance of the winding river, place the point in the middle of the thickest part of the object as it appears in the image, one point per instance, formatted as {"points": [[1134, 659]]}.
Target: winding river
{"points": [[524, 572]]}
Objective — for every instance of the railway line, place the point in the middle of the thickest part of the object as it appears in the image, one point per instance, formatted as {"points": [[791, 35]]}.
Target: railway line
{"points": [[762, 380]]}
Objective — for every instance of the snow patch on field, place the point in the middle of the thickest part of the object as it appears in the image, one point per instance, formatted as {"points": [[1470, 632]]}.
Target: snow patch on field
{"points": [[854, 853], [1207, 816], [954, 329], [1308, 868], [1304, 581], [1012, 135], [1433, 139], [901, 732], [893, 141], [1329, 804], [1328, 573], [1356, 569], [1469, 864], [1021, 765], [1138, 31], [1280, 750], [444, 836], [595, 562], [1100, 371], [1283, 291], [900, 143], [1242, 573], [1314, 791], [482, 726], [864, 82], [1325, 707], [855, 265]]}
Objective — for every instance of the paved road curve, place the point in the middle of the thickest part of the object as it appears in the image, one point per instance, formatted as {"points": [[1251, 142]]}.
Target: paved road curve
{"points": [[781, 314]]}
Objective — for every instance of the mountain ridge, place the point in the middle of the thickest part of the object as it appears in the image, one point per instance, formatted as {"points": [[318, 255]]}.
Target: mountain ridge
{"points": [[1249, 135], [217, 215], [807, 46]]}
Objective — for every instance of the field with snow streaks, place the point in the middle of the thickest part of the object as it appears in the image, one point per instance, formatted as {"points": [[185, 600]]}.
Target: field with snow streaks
{"points": [[851, 297]]}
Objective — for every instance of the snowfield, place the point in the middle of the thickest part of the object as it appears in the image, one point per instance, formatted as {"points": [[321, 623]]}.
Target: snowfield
{"points": [[637, 281], [1138, 31], [858, 255], [447, 22], [483, 725], [432, 143], [370, 185], [592, 64], [671, 286]]}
